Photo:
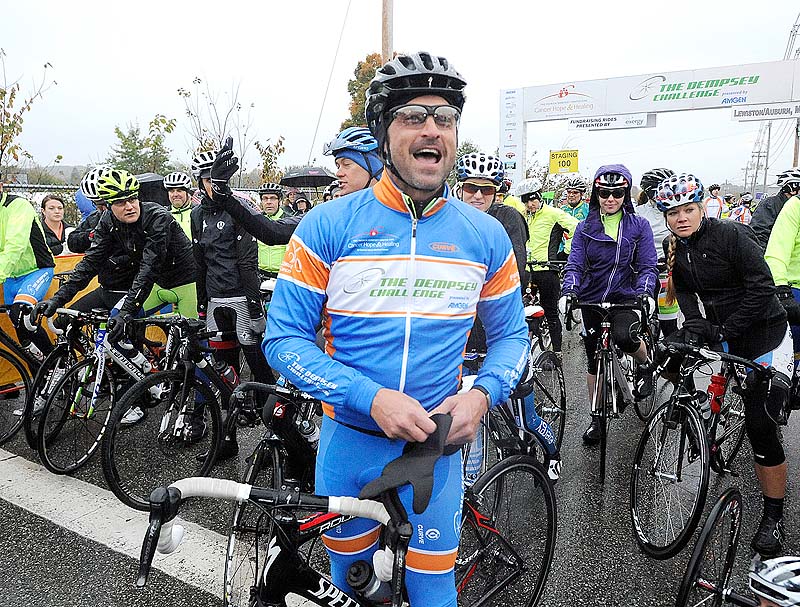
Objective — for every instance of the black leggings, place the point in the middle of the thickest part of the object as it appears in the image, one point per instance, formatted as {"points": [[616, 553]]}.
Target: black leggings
{"points": [[624, 332], [549, 288]]}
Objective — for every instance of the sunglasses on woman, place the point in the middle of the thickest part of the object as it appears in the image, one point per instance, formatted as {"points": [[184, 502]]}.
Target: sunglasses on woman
{"points": [[472, 188], [606, 193]]}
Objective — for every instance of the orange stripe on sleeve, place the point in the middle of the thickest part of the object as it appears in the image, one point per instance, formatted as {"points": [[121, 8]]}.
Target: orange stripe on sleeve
{"points": [[24, 297], [301, 265], [430, 562], [503, 281], [354, 545]]}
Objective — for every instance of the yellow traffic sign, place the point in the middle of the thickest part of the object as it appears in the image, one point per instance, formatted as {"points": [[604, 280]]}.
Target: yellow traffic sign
{"points": [[563, 161]]}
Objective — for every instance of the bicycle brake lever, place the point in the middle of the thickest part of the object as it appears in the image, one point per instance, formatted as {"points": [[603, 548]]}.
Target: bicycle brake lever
{"points": [[164, 504]]}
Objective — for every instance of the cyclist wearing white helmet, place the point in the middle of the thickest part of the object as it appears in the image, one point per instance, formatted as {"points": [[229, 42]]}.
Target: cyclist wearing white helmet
{"points": [[271, 256], [715, 205], [358, 165], [776, 582], [735, 286], [768, 210], [575, 205], [398, 272], [546, 228], [741, 212], [179, 189]]}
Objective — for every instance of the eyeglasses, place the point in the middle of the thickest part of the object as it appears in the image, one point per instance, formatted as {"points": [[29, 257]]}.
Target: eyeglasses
{"points": [[574, 192], [473, 188], [414, 115], [606, 193], [121, 203]]}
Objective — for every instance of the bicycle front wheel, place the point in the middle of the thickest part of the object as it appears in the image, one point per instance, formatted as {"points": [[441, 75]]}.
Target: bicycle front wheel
{"points": [[177, 437], [605, 395], [508, 536], [75, 417], [709, 570], [730, 429], [54, 367], [669, 480], [250, 531], [549, 395], [15, 386]]}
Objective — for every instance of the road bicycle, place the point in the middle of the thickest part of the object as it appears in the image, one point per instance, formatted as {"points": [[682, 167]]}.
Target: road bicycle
{"points": [[706, 581], [182, 424], [613, 390], [679, 446], [491, 570]]}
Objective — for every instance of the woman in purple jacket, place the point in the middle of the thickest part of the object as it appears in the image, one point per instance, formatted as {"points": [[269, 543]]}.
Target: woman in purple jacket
{"points": [[613, 259]]}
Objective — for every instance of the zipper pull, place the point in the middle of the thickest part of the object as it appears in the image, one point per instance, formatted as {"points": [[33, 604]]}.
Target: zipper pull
{"points": [[414, 227]]}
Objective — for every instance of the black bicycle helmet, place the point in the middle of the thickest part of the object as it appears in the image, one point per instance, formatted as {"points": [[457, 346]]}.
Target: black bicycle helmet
{"points": [[404, 78], [652, 179]]}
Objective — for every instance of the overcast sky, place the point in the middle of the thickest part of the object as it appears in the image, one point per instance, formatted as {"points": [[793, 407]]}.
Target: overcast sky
{"points": [[117, 63]]}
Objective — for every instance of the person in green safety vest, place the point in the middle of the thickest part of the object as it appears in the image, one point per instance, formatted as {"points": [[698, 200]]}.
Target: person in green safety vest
{"points": [[271, 256], [179, 189]]}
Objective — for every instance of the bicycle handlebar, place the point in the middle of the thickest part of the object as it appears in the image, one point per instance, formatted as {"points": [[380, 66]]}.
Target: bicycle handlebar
{"points": [[552, 264], [605, 308], [711, 356]]}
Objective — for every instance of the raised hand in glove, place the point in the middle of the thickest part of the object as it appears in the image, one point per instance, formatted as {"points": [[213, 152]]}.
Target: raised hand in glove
{"points": [[564, 304], [792, 307], [258, 325], [647, 303], [710, 333], [118, 327], [46, 308], [225, 166]]}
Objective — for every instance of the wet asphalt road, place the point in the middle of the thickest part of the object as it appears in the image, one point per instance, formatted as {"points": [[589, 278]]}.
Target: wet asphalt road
{"points": [[597, 560]]}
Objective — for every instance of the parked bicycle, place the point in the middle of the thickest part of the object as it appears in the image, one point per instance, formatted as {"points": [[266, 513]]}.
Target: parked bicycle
{"points": [[182, 425], [692, 433]]}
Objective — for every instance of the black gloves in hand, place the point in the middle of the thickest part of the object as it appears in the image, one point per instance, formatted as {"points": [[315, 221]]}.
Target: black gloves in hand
{"points": [[118, 327], [792, 307], [46, 308], [710, 333], [225, 166]]}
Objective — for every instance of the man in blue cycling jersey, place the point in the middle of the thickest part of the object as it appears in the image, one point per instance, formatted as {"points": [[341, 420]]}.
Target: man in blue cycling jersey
{"points": [[398, 272]]}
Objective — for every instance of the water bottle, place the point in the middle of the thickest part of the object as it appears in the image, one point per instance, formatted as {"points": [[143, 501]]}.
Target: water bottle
{"points": [[141, 362], [310, 432], [227, 373], [31, 349], [361, 578], [716, 393], [474, 460]]}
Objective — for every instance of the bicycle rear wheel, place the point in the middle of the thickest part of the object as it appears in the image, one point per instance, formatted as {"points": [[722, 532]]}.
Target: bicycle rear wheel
{"points": [[669, 480], [709, 570], [75, 417], [177, 438], [549, 394], [508, 536], [14, 389], [248, 539]]}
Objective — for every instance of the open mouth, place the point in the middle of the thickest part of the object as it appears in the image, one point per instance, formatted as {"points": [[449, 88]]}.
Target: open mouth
{"points": [[428, 155]]}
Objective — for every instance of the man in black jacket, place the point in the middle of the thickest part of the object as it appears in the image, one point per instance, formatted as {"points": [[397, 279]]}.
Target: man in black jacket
{"points": [[768, 210], [227, 284]]}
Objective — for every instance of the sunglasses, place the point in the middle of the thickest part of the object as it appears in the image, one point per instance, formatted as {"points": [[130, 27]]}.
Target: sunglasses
{"points": [[606, 193], [415, 115], [472, 188], [533, 196]]}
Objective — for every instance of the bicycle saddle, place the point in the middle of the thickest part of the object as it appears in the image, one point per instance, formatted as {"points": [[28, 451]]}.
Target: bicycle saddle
{"points": [[415, 466]]}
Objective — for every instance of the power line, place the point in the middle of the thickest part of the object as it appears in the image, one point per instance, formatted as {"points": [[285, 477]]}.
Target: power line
{"points": [[328, 86]]}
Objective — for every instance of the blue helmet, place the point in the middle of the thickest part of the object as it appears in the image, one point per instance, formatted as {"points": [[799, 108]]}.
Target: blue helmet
{"points": [[356, 138], [677, 191]]}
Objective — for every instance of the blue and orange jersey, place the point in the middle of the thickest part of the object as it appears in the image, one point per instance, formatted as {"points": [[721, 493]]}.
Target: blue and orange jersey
{"points": [[398, 297]]}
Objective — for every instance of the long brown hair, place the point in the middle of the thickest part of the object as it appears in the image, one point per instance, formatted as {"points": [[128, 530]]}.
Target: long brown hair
{"points": [[670, 295]]}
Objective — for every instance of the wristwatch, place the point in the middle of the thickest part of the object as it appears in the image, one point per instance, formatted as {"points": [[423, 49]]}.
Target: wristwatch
{"points": [[485, 392]]}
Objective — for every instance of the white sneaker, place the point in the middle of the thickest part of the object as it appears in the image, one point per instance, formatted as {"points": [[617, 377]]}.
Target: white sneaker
{"points": [[132, 416]]}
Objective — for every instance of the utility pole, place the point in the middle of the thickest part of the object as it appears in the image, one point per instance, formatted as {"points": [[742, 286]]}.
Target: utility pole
{"points": [[746, 170], [796, 143], [766, 158], [758, 156], [387, 34]]}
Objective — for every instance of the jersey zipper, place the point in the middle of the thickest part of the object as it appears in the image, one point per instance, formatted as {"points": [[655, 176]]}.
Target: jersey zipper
{"points": [[616, 260], [412, 279]]}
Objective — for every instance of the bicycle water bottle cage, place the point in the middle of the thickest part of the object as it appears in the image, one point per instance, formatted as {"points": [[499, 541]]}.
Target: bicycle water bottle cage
{"points": [[415, 466]]}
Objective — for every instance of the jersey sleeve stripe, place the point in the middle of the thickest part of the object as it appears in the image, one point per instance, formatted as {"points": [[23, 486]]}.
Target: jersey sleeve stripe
{"points": [[504, 281], [424, 561], [302, 266], [353, 545]]}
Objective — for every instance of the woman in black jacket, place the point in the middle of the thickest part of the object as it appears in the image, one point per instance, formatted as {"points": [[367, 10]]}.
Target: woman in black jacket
{"points": [[720, 262]]}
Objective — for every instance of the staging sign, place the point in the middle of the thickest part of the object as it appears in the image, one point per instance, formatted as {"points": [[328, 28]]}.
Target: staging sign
{"points": [[718, 87], [563, 161]]}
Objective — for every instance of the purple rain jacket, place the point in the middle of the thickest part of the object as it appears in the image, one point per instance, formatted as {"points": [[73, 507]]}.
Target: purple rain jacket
{"points": [[602, 270]]}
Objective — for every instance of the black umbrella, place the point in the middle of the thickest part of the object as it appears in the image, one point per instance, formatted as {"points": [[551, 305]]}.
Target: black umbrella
{"points": [[308, 177], [151, 188]]}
